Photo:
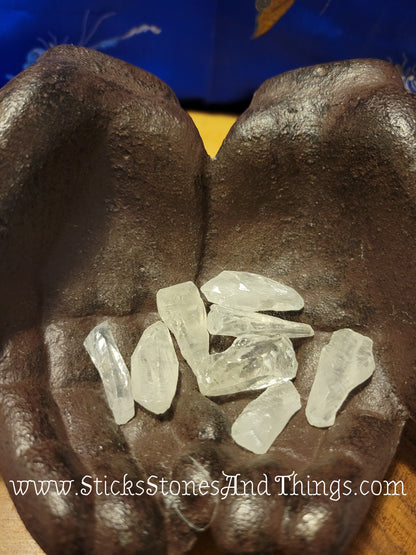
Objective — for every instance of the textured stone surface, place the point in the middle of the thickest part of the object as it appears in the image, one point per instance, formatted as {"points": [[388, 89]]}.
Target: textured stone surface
{"points": [[113, 371], [181, 308], [106, 196], [346, 362], [248, 291], [154, 369], [263, 419], [228, 321], [251, 362]]}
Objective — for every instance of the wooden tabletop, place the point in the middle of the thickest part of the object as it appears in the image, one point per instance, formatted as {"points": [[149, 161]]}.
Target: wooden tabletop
{"points": [[390, 527]]}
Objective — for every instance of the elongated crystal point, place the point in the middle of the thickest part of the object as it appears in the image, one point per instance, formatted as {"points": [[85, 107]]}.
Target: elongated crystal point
{"points": [[345, 362], [114, 374], [228, 321], [247, 291], [263, 419], [154, 369], [252, 362], [183, 311]]}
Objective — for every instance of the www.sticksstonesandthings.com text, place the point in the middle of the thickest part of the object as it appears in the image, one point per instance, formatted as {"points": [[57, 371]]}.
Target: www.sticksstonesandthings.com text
{"points": [[229, 485]]}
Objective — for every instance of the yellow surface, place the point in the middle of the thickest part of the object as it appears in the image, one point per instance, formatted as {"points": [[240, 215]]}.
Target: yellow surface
{"points": [[390, 527], [212, 128], [14, 538]]}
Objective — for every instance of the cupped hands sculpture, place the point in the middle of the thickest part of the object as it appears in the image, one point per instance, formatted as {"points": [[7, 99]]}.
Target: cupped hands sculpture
{"points": [[107, 195]]}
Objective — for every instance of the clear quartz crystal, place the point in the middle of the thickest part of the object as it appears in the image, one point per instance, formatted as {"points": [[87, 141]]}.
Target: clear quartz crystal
{"points": [[183, 311], [247, 291], [228, 321], [154, 369], [263, 419], [251, 362], [114, 374], [345, 362]]}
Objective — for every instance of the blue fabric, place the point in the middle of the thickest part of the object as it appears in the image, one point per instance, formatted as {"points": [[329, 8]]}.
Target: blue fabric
{"points": [[204, 49]]}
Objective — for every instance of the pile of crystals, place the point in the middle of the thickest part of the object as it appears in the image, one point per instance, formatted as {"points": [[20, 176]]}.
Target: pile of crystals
{"points": [[261, 357]]}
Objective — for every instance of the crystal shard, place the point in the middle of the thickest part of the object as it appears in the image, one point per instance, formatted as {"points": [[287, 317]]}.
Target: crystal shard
{"points": [[345, 362], [252, 362], [114, 374], [227, 321], [247, 291], [263, 419], [154, 369], [183, 311]]}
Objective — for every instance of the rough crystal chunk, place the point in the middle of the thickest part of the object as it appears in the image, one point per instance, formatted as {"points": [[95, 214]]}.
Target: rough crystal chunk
{"points": [[252, 362], [247, 291], [183, 311], [114, 374], [228, 321], [264, 418], [154, 369], [345, 362]]}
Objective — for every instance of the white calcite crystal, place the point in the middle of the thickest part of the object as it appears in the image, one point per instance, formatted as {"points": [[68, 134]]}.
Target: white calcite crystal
{"points": [[228, 321], [154, 369], [251, 362], [183, 311], [263, 419], [247, 291], [345, 362], [114, 374]]}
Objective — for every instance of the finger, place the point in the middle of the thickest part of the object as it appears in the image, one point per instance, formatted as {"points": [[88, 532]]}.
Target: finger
{"points": [[126, 516], [351, 463], [201, 427], [34, 449]]}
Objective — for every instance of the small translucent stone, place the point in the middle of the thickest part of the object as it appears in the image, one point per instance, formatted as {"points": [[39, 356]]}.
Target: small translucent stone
{"points": [[345, 362], [263, 419], [183, 311], [252, 362], [247, 291], [228, 321], [114, 374], [154, 369]]}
